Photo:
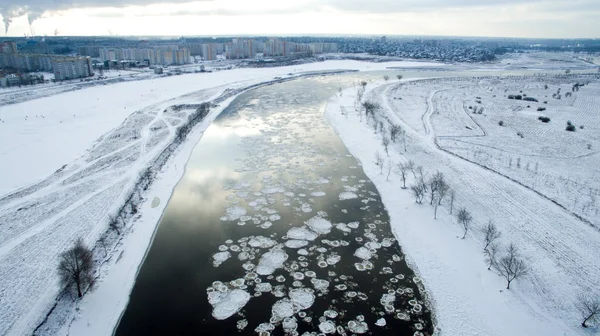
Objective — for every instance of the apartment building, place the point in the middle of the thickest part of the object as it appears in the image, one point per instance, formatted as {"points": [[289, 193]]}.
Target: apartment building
{"points": [[71, 67]]}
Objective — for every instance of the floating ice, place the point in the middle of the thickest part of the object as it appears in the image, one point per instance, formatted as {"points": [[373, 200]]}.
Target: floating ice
{"points": [[346, 195], [261, 242], [263, 287], [233, 213], [319, 225], [242, 324], [282, 309], [266, 225], [343, 227], [330, 313], [271, 261], [353, 225], [227, 303], [387, 299], [306, 208], [322, 180], [363, 253], [289, 324], [381, 322], [295, 243], [327, 327], [318, 194], [301, 233], [220, 257], [333, 259], [264, 328], [320, 284], [302, 298], [274, 217], [358, 327]]}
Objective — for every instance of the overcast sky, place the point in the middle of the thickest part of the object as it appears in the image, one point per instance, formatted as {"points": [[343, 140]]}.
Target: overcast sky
{"points": [[511, 18]]}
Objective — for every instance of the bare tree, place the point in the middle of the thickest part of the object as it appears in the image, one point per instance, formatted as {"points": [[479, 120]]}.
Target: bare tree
{"points": [[589, 307], [418, 192], [370, 108], [490, 234], [491, 255], [442, 191], [75, 267], [386, 78], [395, 130], [419, 170], [402, 171], [400, 76], [410, 165], [435, 184], [385, 141], [452, 196], [388, 166], [403, 135], [464, 218], [379, 160], [419, 189], [435, 206], [511, 266], [113, 223]]}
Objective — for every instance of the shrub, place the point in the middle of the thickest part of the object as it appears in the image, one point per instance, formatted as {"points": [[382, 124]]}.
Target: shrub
{"points": [[501, 123], [520, 134], [541, 109], [581, 127], [571, 128], [544, 119]]}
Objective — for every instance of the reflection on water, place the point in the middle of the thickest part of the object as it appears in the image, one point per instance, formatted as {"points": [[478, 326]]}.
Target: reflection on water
{"points": [[274, 228]]}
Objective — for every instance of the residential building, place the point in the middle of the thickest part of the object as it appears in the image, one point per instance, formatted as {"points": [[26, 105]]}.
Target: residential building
{"points": [[8, 47], [72, 67]]}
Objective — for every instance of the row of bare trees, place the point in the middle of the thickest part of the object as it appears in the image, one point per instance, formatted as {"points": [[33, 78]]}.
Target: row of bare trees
{"points": [[507, 261]]}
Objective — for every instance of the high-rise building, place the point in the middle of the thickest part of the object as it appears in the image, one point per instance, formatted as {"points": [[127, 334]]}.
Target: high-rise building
{"points": [[72, 67], [8, 47]]}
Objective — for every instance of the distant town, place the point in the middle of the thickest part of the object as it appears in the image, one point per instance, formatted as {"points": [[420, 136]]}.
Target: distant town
{"points": [[24, 61]]}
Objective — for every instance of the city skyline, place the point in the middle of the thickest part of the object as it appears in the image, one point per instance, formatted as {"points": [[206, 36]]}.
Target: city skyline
{"points": [[498, 18]]}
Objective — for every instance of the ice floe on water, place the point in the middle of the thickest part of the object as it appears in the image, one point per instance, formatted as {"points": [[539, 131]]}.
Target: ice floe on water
{"points": [[227, 302], [271, 261], [318, 194], [301, 233], [295, 243], [234, 213], [363, 253], [261, 242], [319, 225], [346, 195], [327, 327], [302, 298], [220, 257]]}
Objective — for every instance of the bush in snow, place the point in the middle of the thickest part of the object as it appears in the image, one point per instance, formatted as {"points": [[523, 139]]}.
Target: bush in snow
{"points": [[75, 267]]}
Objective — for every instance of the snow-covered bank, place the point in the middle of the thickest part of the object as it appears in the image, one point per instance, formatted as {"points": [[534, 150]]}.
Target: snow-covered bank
{"points": [[466, 298], [44, 134]]}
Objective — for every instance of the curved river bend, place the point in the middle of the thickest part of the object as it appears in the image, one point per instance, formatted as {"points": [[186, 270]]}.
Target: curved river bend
{"points": [[275, 229]]}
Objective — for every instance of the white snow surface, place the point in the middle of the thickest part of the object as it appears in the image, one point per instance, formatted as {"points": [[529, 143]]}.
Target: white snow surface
{"points": [[467, 299]]}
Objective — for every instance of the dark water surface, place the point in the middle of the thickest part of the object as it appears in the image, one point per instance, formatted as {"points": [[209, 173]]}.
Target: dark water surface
{"points": [[270, 163]]}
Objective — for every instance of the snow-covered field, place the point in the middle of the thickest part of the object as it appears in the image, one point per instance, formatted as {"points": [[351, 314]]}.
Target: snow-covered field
{"points": [[74, 159], [561, 250]]}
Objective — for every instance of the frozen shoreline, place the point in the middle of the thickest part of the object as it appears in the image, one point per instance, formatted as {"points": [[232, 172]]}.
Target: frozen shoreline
{"points": [[466, 298]]}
